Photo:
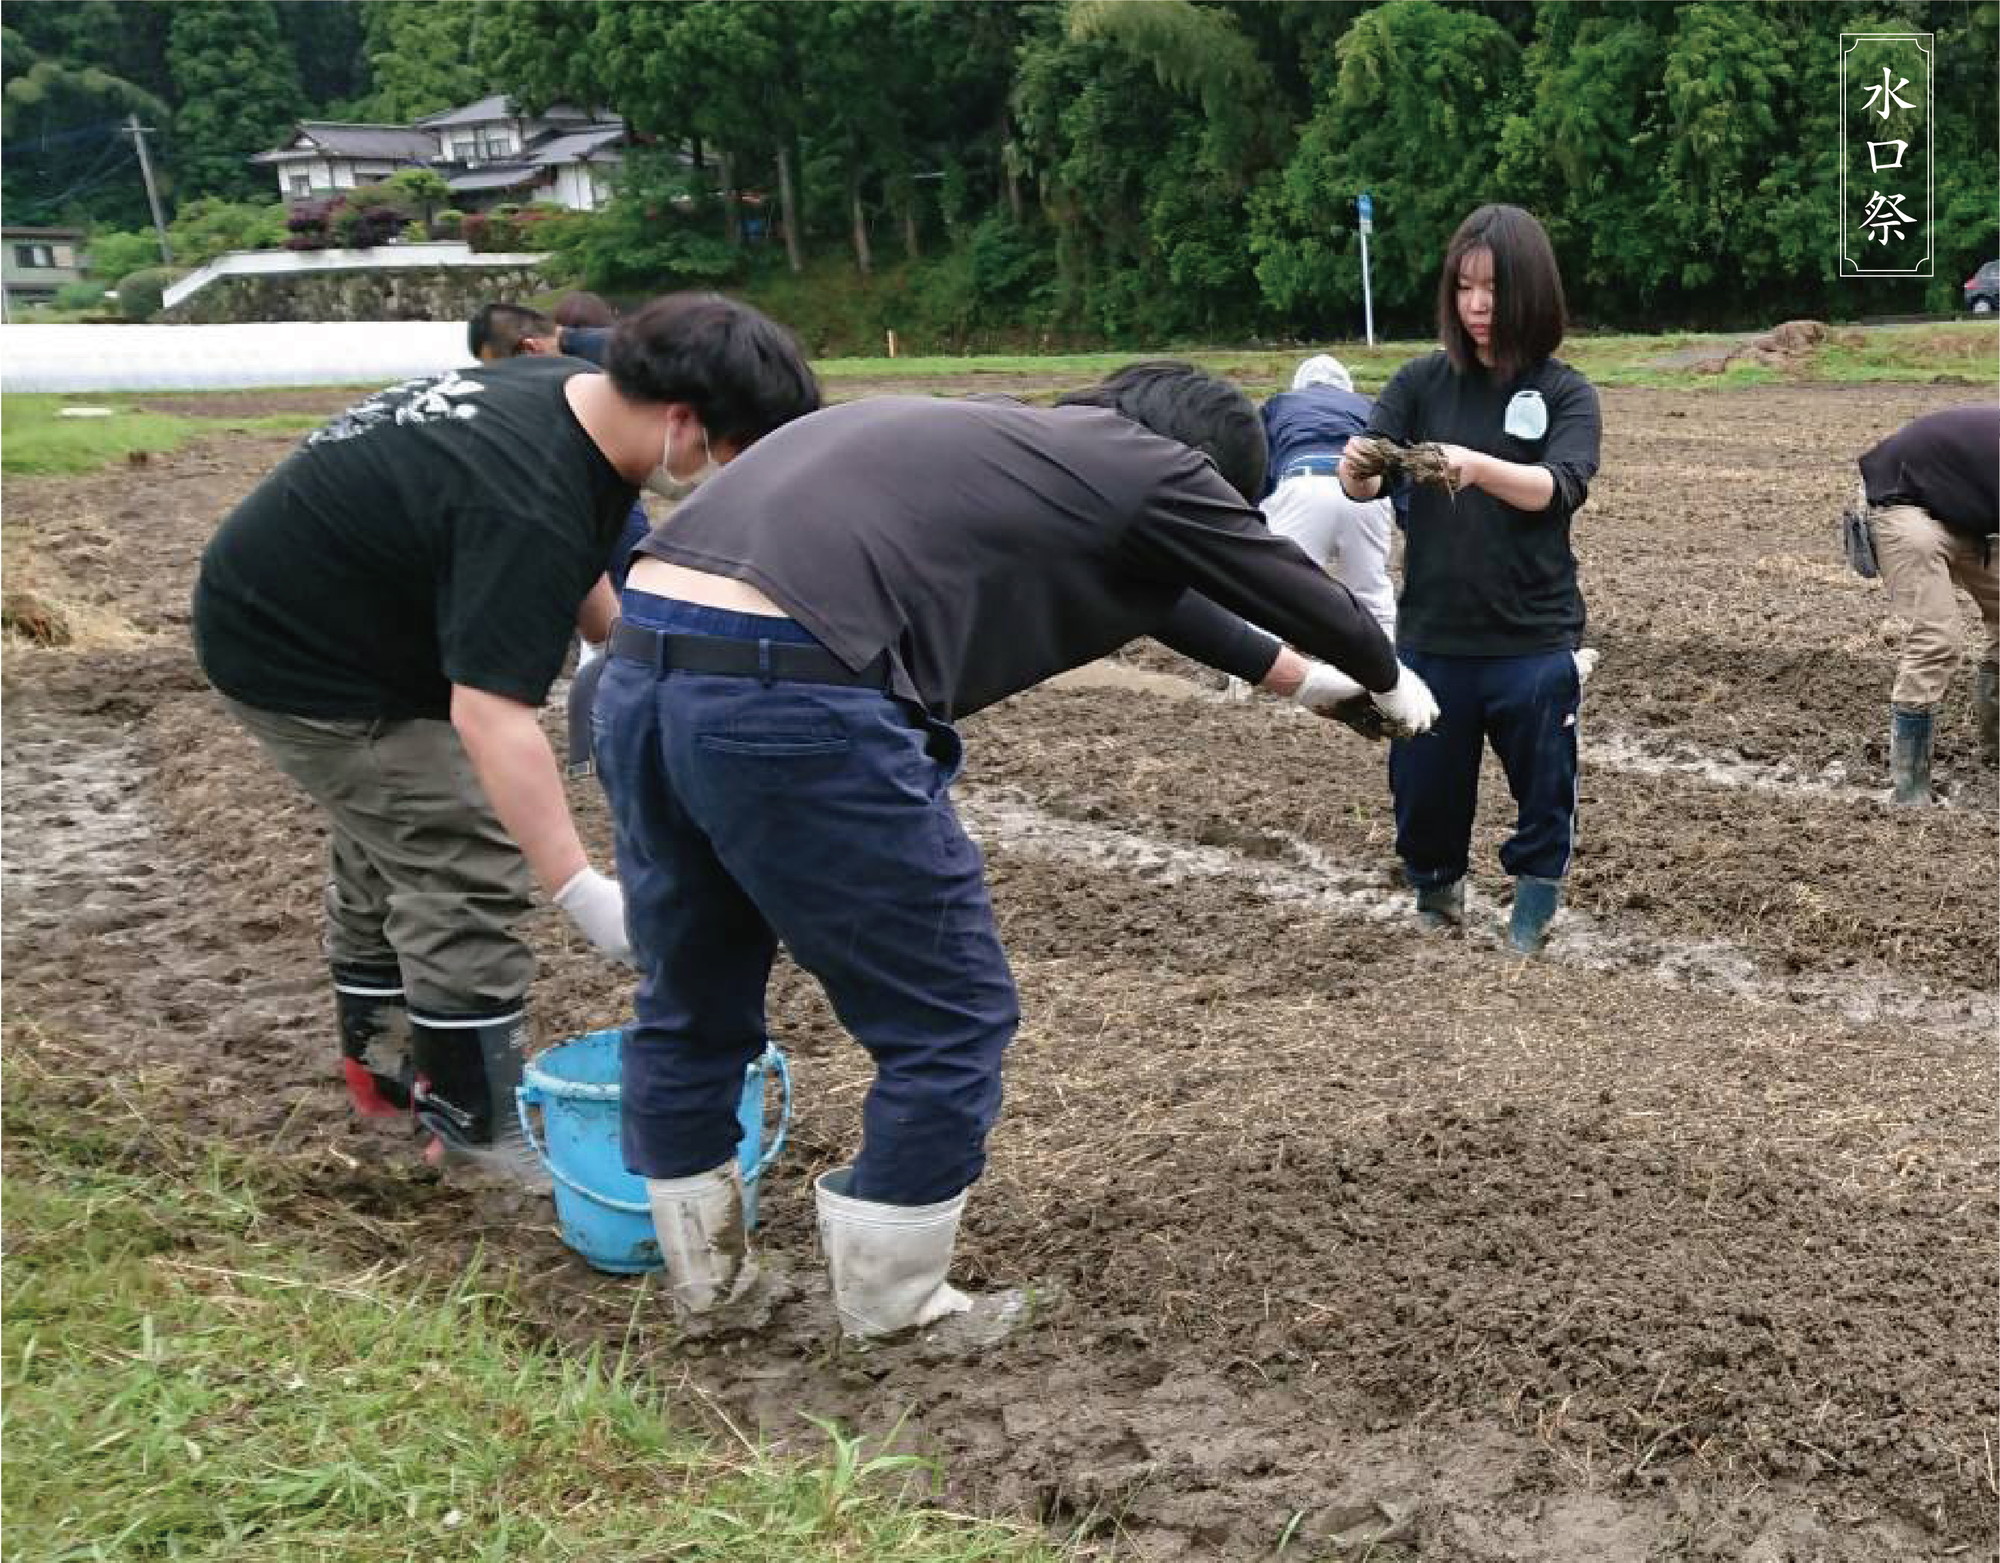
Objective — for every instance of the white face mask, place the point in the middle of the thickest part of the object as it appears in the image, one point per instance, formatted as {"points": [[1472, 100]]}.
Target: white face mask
{"points": [[662, 480]]}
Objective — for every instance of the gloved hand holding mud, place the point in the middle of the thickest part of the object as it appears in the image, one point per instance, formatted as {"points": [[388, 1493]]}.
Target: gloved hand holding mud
{"points": [[1403, 711], [1371, 456]]}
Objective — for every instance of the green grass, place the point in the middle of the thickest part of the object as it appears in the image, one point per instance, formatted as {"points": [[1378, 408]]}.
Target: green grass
{"points": [[36, 439], [1970, 349], [189, 1376]]}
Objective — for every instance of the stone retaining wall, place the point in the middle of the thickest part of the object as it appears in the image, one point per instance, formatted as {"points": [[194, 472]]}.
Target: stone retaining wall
{"points": [[441, 293]]}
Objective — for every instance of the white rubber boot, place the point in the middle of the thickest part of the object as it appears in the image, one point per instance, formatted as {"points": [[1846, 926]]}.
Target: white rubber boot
{"points": [[699, 1224], [888, 1265]]}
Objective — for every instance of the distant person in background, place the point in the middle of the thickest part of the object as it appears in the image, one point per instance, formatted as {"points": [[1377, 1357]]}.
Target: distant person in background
{"points": [[579, 308], [585, 321], [1929, 498], [501, 331], [1491, 616], [1308, 426]]}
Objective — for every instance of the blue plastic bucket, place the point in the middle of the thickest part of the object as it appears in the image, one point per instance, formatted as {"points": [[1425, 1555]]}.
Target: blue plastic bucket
{"points": [[601, 1206]]}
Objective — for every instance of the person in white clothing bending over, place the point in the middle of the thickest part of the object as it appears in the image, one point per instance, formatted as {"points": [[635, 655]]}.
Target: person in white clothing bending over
{"points": [[1307, 427]]}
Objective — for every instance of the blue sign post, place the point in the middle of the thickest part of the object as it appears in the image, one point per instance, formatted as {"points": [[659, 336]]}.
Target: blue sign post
{"points": [[1366, 207]]}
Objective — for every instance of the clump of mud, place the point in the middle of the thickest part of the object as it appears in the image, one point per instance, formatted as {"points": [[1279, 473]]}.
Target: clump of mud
{"points": [[1422, 463]]}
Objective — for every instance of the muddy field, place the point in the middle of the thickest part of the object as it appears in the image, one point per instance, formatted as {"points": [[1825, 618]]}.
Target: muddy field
{"points": [[1676, 1244]]}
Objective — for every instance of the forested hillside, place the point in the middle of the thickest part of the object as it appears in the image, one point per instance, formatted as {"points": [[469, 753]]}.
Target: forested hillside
{"points": [[1097, 170]]}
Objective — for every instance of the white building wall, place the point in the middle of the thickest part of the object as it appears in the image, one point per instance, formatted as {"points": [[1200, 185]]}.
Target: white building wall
{"points": [[573, 187], [199, 358]]}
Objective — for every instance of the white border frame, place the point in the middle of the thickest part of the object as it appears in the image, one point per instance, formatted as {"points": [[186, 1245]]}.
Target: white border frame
{"points": [[1926, 46]]}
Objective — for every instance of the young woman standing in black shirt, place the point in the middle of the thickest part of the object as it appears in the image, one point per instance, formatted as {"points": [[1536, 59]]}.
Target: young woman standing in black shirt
{"points": [[1490, 614]]}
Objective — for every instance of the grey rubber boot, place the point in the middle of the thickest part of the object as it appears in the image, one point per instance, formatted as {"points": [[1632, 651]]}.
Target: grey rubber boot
{"points": [[703, 1237], [1442, 906], [1986, 700], [888, 1265], [1535, 903], [374, 1038], [467, 1069], [1910, 730]]}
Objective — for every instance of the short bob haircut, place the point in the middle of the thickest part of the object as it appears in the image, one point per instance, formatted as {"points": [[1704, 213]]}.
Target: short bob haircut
{"points": [[1527, 291], [741, 372], [1180, 402]]}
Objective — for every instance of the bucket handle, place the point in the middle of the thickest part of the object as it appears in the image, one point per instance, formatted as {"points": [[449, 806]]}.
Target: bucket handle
{"points": [[527, 1095], [773, 1056]]}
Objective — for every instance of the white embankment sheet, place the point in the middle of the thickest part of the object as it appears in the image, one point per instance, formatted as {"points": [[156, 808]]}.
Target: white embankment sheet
{"points": [[208, 358]]}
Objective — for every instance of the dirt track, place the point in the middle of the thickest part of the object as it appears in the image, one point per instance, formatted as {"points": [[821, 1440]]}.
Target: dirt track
{"points": [[1678, 1244]]}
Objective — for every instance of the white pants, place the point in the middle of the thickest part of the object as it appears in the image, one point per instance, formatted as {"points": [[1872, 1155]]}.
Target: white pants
{"points": [[1348, 538]]}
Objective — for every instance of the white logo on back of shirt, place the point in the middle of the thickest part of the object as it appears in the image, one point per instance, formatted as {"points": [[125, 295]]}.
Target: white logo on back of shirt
{"points": [[432, 399]]}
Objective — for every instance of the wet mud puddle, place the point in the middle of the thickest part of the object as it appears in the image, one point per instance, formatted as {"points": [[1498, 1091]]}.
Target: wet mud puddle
{"points": [[75, 854], [1613, 750], [1305, 875]]}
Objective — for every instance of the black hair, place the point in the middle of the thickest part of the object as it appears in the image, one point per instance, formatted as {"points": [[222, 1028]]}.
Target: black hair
{"points": [[741, 372], [580, 308], [1527, 291], [1191, 405], [499, 329]]}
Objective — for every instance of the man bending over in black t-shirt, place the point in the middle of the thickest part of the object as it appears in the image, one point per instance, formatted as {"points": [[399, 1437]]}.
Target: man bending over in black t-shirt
{"points": [[386, 612]]}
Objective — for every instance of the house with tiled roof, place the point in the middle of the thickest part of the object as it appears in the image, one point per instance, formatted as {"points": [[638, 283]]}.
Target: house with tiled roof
{"points": [[324, 156], [488, 152]]}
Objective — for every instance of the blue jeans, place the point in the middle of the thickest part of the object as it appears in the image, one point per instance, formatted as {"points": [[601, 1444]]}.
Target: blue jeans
{"points": [[1526, 706], [747, 812]]}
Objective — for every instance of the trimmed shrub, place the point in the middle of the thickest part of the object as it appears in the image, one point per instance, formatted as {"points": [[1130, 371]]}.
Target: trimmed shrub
{"points": [[80, 295], [139, 294]]}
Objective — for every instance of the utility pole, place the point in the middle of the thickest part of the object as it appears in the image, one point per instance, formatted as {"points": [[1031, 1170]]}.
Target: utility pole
{"points": [[137, 132]]}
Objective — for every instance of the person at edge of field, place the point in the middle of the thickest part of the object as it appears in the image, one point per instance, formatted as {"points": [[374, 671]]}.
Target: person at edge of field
{"points": [[774, 732], [1308, 426], [1929, 499], [1491, 615], [386, 611]]}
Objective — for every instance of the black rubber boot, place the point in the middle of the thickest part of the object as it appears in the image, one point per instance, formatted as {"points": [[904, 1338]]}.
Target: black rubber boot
{"points": [[1442, 906], [374, 1039], [1535, 903], [1986, 699], [467, 1068], [1910, 754]]}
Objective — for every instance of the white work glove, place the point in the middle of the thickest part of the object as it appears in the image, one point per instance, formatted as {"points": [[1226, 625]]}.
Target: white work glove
{"points": [[1409, 707], [1324, 688], [1586, 664], [1330, 693], [597, 906]]}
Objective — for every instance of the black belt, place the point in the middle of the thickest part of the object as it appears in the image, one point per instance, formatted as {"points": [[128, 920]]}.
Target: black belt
{"points": [[770, 660]]}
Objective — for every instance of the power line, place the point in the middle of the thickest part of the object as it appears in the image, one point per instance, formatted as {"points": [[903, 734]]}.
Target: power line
{"points": [[101, 128], [109, 162]]}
